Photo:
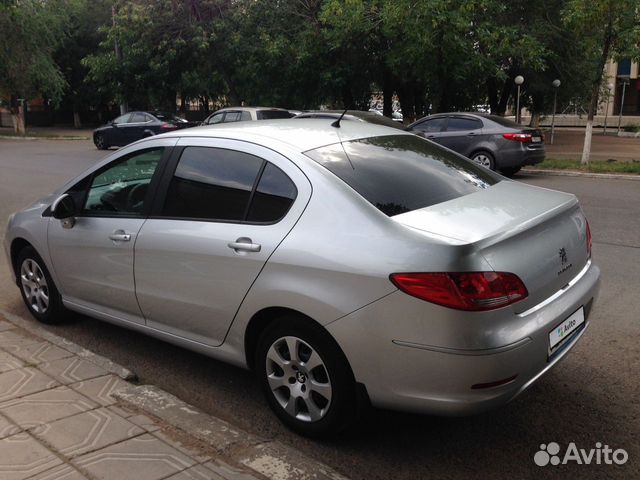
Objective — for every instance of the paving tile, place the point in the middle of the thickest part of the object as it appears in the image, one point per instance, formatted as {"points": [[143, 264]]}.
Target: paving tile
{"points": [[71, 370], [100, 389], [140, 458], [16, 338], [46, 407], [199, 472], [4, 326], [62, 472], [21, 457], [9, 362], [87, 431], [35, 353], [23, 381], [7, 428]]}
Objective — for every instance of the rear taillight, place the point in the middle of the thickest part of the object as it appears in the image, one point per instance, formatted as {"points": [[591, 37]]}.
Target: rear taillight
{"points": [[518, 137], [589, 241], [167, 126], [474, 291]]}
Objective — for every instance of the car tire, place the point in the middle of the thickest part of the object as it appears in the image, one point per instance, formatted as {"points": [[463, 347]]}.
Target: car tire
{"points": [[313, 391], [100, 142], [484, 158], [509, 171], [38, 290]]}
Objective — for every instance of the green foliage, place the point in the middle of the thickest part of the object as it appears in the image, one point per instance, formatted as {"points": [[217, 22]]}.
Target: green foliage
{"points": [[30, 32]]}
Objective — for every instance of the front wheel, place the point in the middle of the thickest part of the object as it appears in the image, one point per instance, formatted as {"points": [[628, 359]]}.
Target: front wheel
{"points": [[100, 142], [305, 377], [38, 291], [485, 159]]}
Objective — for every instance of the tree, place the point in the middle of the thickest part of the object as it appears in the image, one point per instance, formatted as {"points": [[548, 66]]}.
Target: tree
{"points": [[30, 31], [612, 25]]}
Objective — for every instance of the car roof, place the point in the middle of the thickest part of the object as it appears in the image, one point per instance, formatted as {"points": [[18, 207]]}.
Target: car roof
{"points": [[249, 109], [301, 134]]}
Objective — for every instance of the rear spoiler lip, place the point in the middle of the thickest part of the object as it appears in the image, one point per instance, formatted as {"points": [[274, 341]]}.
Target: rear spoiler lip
{"points": [[505, 232]]}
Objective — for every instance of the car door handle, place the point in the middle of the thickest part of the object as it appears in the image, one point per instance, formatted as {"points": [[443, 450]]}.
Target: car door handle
{"points": [[431, 136], [244, 244], [471, 134], [120, 236]]}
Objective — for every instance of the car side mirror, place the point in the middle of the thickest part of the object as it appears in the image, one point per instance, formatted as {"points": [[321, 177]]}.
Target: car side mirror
{"points": [[64, 207]]}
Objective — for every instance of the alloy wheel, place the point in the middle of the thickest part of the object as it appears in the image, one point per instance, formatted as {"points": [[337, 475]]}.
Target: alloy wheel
{"points": [[34, 284], [298, 379], [482, 159], [99, 141]]}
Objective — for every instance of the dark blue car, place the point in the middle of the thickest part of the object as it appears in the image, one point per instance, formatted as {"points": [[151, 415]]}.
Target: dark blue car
{"points": [[133, 126]]}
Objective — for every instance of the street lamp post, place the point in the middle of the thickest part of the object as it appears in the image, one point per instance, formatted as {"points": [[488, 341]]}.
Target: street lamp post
{"points": [[624, 87], [519, 80], [610, 87], [556, 85]]}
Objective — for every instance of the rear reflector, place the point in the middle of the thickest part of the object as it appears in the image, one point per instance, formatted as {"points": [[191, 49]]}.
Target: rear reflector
{"points": [[497, 383], [518, 137], [471, 291]]}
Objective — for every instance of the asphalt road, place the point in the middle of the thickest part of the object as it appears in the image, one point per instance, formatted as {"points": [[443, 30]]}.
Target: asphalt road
{"points": [[593, 396]]}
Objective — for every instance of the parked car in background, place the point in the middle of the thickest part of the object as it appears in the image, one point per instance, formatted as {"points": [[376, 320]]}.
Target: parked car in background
{"points": [[240, 114], [133, 126], [357, 115], [491, 141], [343, 265]]}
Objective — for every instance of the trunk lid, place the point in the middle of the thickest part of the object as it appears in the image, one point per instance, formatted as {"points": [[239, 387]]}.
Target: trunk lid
{"points": [[536, 233]]}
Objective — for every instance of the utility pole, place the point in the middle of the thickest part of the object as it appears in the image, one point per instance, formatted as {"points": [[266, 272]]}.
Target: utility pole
{"points": [[123, 104]]}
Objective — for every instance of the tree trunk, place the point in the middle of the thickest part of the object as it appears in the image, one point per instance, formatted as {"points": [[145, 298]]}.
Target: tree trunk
{"points": [[387, 92], [505, 93], [77, 122], [595, 90], [17, 116], [492, 93], [535, 120]]}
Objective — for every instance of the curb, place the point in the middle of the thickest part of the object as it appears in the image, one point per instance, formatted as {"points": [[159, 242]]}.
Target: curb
{"points": [[573, 173], [268, 458], [16, 137], [105, 363]]}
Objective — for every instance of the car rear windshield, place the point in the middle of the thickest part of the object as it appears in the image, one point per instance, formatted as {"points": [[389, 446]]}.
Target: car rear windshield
{"points": [[401, 173], [505, 122], [272, 114]]}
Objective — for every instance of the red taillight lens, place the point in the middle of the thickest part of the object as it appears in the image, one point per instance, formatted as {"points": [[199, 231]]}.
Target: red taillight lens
{"points": [[474, 291], [518, 137], [167, 126], [589, 241]]}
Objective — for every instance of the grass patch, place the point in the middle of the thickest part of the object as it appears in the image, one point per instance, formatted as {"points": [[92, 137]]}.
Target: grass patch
{"points": [[599, 166]]}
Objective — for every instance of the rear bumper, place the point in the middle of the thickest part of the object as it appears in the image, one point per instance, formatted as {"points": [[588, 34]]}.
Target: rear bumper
{"points": [[422, 376], [514, 154]]}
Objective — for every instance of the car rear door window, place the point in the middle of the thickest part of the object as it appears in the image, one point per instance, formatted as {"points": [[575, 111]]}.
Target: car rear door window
{"points": [[212, 184], [138, 118], [462, 123], [401, 173], [272, 114], [431, 125], [273, 196], [245, 116], [231, 117]]}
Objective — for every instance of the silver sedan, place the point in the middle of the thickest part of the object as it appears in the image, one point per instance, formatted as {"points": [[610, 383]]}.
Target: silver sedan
{"points": [[342, 261]]}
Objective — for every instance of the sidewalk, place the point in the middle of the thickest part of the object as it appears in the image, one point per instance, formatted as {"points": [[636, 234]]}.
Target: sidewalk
{"points": [[68, 414], [568, 144], [57, 133]]}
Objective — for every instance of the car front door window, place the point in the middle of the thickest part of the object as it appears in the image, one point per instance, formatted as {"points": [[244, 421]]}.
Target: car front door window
{"points": [[122, 188]]}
